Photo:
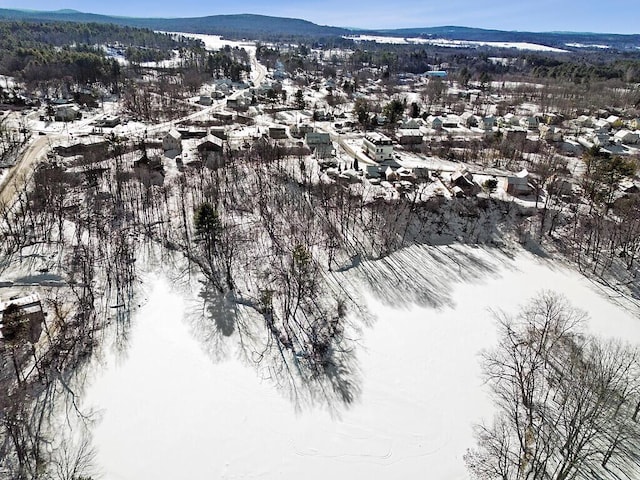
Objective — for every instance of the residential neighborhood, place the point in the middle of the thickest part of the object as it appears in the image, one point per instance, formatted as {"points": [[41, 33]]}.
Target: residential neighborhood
{"points": [[314, 250]]}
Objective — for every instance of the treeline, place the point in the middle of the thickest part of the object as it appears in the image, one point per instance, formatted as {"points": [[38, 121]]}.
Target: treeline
{"points": [[471, 63], [567, 403], [38, 34], [585, 71], [83, 64], [140, 55], [48, 51]]}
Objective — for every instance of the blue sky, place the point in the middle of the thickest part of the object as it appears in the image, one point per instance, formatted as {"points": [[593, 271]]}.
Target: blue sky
{"points": [[613, 16]]}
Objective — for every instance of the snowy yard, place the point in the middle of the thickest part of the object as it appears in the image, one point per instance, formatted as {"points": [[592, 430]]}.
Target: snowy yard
{"points": [[176, 405]]}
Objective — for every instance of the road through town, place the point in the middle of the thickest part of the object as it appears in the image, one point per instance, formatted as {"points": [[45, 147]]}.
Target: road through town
{"points": [[39, 147], [16, 177]]}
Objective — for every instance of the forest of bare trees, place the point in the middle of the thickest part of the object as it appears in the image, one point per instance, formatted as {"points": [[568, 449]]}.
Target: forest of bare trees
{"points": [[568, 402]]}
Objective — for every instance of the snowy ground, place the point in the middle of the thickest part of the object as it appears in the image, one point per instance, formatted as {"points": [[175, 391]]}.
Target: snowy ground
{"points": [[442, 42], [171, 411], [216, 42]]}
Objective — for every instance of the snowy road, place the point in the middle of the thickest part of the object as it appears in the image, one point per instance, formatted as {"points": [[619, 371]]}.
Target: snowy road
{"points": [[38, 148], [22, 169]]}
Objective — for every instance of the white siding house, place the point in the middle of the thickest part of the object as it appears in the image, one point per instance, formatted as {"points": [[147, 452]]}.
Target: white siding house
{"points": [[377, 146]]}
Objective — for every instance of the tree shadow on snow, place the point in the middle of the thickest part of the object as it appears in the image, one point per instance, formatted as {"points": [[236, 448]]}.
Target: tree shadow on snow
{"points": [[228, 326], [425, 275]]}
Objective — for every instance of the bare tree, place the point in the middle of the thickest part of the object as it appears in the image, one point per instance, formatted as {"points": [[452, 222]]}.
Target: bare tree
{"points": [[566, 401], [74, 458]]}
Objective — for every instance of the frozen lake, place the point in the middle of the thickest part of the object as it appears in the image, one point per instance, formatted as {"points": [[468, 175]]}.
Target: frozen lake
{"points": [[170, 411]]}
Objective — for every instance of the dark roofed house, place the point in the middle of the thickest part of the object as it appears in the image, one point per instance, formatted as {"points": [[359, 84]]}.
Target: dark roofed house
{"points": [[219, 132], [409, 136], [463, 179], [320, 144], [210, 150], [278, 132]]}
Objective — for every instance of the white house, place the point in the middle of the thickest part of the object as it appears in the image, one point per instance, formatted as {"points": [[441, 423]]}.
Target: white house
{"points": [[601, 126], [626, 136], [172, 141], [411, 123], [583, 121], [377, 146], [611, 119]]}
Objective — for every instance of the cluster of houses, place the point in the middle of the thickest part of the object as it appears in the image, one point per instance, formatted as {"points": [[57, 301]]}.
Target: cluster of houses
{"points": [[570, 136], [609, 131]]}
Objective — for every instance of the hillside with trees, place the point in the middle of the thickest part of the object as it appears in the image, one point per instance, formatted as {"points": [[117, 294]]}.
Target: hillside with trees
{"points": [[39, 51]]}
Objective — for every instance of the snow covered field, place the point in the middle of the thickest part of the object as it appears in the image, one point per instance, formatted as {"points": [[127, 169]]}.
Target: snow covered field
{"points": [[442, 42], [216, 42], [169, 410]]}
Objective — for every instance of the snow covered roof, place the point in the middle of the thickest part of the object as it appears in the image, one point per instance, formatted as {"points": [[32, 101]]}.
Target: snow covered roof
{"points": [[408, 132], [210, 140], [25, 301], [175, 134]]}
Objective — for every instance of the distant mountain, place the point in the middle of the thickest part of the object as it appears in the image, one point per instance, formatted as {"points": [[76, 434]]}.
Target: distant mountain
{"points": [[247, 25], [262, 26]]}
